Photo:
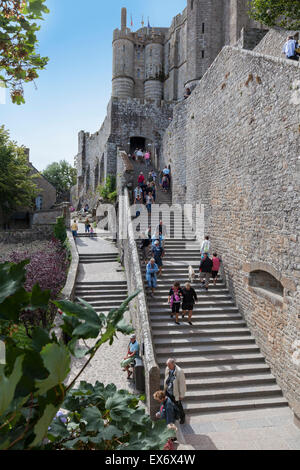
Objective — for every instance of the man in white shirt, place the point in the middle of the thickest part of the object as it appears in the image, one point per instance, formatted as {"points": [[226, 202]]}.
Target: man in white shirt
{"points": [[289, 49]]}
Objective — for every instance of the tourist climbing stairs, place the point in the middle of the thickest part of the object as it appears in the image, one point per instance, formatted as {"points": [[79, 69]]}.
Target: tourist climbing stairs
{"points": [[223, 365]]}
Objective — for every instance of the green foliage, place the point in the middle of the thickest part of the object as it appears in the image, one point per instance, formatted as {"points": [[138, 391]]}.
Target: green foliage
{"points": [[104, 418], [62, 176], [108, 190], [60, 231], [32, 388], [19, 60], [283, 13], [17, 187]]}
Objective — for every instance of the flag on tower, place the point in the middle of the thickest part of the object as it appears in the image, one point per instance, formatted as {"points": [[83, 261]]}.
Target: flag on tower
{"points": [[131, 24], [143, 22], [149, 23]]}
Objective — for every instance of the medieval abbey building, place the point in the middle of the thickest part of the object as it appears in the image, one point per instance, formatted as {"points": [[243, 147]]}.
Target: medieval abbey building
{"points": [[233, 146], [151, 68]]}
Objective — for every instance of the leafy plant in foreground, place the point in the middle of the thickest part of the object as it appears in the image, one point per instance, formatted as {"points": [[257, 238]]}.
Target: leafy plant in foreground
{"points": [[32, 380]]}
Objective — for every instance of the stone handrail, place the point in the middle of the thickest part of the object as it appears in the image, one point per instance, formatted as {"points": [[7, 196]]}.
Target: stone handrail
{"points": [[139, 311], [68, 292]]}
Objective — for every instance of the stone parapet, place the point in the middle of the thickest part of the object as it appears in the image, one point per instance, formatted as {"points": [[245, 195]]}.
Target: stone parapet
{"points": [[38, 233], [138, 309]]}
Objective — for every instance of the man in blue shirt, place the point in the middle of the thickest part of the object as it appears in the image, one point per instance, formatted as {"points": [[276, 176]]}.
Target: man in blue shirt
{"points": [[151, 275], [132, 353], [289, 49]]}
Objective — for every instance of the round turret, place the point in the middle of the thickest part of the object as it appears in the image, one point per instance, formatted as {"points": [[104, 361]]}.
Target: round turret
{"points": [[154, 71], [123, 61]]}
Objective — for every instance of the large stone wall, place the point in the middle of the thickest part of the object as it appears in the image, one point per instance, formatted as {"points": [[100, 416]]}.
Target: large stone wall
{"points": [[234, 146]]}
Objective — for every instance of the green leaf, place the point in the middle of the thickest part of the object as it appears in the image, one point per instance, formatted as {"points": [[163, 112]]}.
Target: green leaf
{"points": [[56, 359], [92, 324], [12, 278], [8, 384], [44, 422], [93, 418], [39, 298]]}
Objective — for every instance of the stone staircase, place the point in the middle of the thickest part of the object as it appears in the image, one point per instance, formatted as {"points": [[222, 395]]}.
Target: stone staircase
{"points": [[104, 295], [98, 258], [224, 368]]}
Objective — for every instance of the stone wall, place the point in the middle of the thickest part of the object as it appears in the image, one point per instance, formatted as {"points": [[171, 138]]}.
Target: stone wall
{"points": [[41, 232], [139, 310], [234, 146], [272, 44]]}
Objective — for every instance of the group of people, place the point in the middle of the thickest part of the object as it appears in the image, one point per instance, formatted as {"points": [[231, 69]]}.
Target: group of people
{"points": [[142, 157], [145, 192], [171, 397], [186, 297]]}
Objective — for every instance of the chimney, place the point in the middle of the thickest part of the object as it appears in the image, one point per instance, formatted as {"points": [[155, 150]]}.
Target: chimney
{"points": [[27, 152], [123, 19]]}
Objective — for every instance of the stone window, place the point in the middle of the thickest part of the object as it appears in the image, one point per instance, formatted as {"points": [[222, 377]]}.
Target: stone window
{"points": [[124, 48], [96, 175], [267, 286], [138, 55], [138, 73], [39, 203], [88, 179], [192, 4], [202, 54], [203, 28]]}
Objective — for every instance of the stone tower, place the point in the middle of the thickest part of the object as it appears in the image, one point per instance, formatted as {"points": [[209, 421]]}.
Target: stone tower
{"points": [[205, 36], [123, 61]]}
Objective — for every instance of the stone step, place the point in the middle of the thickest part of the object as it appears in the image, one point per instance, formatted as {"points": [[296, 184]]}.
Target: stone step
{"points": [[191, 333], [170, 324], [224, 371], [101, 283], [257, 380], [101, 291], [108, 303], [201, 303], [201, 350], [102, 298], [197, 317], [98, 260], [236, 405], [236, 393], [213, 360], [208, 298], [102, 255], [194, 341]]}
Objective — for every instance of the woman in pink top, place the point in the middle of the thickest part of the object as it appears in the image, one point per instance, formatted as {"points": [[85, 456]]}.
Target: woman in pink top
{"points": [[216, 266], [147, 158]]}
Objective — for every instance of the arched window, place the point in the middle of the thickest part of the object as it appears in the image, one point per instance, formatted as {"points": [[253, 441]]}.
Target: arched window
{"points": [[203, 28], [262, 280], [138, 73], [192, 4], [138, 55]]}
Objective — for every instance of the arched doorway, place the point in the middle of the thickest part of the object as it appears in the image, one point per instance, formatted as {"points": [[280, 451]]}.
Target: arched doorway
{"points": [[137, 143]]}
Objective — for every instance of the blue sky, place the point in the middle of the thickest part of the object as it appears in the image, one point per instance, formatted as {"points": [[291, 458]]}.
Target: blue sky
{"points": [[73, 92]]}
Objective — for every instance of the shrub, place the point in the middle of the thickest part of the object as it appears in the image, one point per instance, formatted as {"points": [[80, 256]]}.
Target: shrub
{"points": [[48, 268], [60, 231], [108, 190]]}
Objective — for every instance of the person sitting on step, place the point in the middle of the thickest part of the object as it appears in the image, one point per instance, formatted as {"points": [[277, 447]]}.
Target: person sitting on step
{"points": [[132, 354]]}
